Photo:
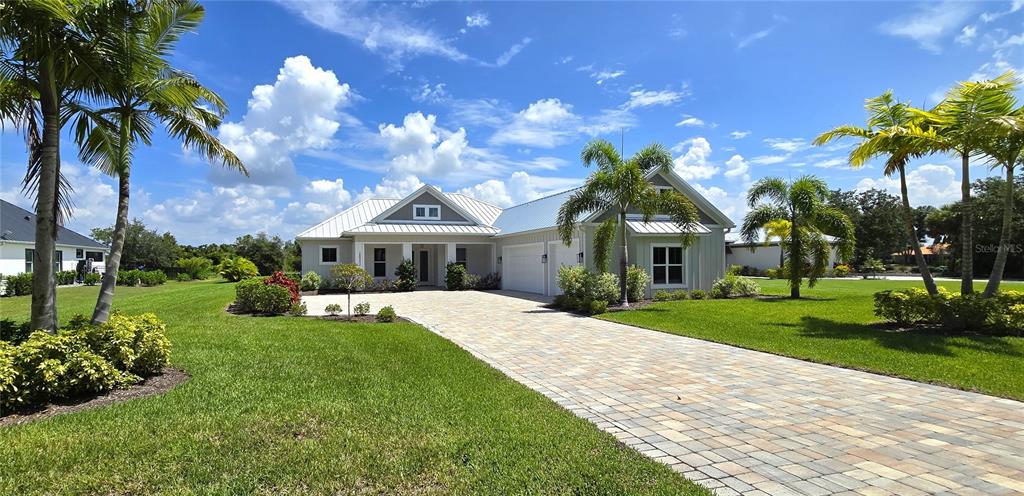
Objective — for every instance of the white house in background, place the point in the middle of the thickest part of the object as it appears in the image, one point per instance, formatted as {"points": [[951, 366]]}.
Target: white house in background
{"points": [[17, 243], [762, 257], [520, 243]]}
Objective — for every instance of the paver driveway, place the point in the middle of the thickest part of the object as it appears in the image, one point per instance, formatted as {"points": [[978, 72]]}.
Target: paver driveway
{"points": [[735, 420]]}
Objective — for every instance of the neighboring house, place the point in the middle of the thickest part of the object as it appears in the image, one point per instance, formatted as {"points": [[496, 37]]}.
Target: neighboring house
{"points": [[934, 254], [760, 256], [521, 242], [17, 243]]}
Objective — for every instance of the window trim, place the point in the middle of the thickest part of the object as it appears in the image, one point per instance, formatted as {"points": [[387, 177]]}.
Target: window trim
{"points": [[30, 260], [426, 211], [682, 264], [464, 262], [383, 261], [79, 253], [337, 254]]}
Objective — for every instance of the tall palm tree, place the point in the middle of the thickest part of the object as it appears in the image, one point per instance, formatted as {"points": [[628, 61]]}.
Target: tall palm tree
{"points": [[144, 90], [804, 204], [1006, 149], [777, 229], [883, 135], [47, 59], [619, 186], [961, 124]]}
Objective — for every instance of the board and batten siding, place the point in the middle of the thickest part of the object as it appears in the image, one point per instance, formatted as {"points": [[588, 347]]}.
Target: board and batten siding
{"points": [[311, 255]]}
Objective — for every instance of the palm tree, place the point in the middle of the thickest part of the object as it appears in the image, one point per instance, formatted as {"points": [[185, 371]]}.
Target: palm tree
{"points": [[143, 90], [803, 204], [887, 119], [777, 229], [961, 124], [620, 186], [1006, 150], [48, 59]]}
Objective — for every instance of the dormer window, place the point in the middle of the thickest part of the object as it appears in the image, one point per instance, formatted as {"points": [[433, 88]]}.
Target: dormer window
{"points": [[426, 212], [664, 190]]}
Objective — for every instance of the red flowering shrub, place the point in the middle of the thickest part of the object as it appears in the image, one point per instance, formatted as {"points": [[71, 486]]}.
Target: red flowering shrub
{"points": [[279, 279]]}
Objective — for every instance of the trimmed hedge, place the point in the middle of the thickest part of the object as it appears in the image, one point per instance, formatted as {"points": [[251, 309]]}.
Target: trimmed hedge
{"points": [[18, 284], [254, 295], [732, 286], [1003, 313]]}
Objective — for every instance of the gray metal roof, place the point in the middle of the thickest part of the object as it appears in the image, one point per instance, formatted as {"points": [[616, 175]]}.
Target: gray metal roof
{"points": [[357, 219], [18, 224], [537, 214]]}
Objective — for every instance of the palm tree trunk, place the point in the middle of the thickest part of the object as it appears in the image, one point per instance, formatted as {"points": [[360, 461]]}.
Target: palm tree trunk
{"points": [[915, 243], [796, 260], [106, 298], [1004, 239], [623, 259], [44, 282], [966, 227]]}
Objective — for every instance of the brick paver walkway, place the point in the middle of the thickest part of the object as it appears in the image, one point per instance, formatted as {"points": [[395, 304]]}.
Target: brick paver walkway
{"points": [[734, 420]]}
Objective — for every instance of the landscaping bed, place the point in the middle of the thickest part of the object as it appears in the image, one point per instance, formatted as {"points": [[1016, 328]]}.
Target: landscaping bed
{"points": [[167, 379]]}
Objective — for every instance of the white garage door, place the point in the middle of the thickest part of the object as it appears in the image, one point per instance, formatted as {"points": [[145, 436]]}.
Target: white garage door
{"points": [[522, 269], [559, 255]]}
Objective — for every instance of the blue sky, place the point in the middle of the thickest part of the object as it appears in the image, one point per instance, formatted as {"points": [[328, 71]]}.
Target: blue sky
{"points": [[331, 103]]}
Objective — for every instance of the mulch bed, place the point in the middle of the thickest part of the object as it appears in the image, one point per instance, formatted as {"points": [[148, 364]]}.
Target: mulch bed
{"points": [[168, 379], [364, 319]]}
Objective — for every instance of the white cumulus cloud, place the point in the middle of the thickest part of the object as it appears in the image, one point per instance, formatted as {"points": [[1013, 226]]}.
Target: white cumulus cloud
{"points": [[694, 164]]}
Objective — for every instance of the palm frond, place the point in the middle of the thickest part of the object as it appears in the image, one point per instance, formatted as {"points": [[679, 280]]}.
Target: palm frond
{"points": [[604, 236], [769, 188], [602, 153], [653, 157]]}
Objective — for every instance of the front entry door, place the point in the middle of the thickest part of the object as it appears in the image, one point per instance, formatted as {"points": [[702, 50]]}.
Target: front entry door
{"points": [[424, 266]]}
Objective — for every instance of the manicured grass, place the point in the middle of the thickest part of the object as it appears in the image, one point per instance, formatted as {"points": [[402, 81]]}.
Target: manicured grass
{"points": [[831, 325], [298, 406]]}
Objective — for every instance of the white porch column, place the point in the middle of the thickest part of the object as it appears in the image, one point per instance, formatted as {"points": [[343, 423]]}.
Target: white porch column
{"points": [[449, 256], [406, 251], [359, 249], [494, 257]]}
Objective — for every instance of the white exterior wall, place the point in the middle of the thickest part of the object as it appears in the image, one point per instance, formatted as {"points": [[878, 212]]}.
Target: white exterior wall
{"points": [[12, 257]]}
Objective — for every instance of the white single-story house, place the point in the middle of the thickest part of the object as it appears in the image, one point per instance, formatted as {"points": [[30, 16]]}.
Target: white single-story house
{"points": [[17, 244], [760, 256], [521, 243]]}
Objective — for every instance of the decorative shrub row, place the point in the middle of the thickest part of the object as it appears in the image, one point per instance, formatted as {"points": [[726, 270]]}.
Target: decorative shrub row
{"points": [[65, 277], [1003, 313], [18, 285], [680, 294], [81, 359], [92, 278], [578, 283], [135, 277], [732, 286]]}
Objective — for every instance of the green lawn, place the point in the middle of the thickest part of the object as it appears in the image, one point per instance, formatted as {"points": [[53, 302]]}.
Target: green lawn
{"points": [[831, 325], [297, 406]]}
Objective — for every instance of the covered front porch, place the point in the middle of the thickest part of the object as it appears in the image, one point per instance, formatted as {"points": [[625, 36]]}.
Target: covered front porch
{"points": [[381, 258]]}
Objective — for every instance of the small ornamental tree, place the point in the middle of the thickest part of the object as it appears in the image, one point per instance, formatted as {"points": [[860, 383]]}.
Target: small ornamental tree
{"points": [[406, 274], [351, 277]]}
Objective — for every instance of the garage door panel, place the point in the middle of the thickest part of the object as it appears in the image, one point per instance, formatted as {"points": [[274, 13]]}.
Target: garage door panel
{"points": [[522, 269]]}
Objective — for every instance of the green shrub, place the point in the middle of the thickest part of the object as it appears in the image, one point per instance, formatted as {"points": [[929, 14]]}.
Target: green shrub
{"points": [[386, 314], [559, 301], [53, 366], [129, 277], [182, 277], [92, 278], [1013, 320], [735, 270], [682, 294], [970, 312], [298, 309], [152, 277], [636, 282], [472, 281], [8, 375], [905, 306], [310, 281], [597, 307], [574, 280], [134, 343], [406, 274], [732, 286], [605, 287], [195, 267], [333, 309], [699, 294], [65, 277], [841, 270], [14, 333], [490, 281], [455, 277], [253, 295], [662, 295], [18, 285], [237, 268], [361, 308]]}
